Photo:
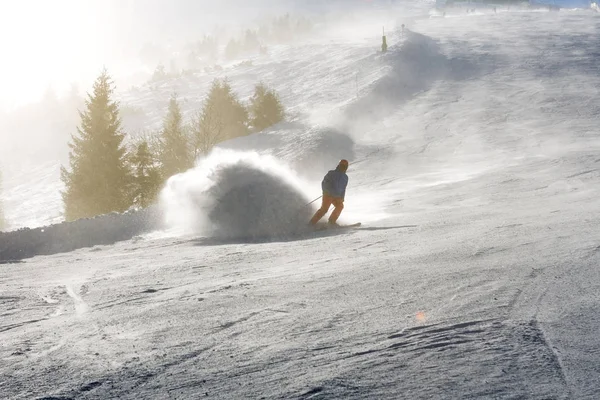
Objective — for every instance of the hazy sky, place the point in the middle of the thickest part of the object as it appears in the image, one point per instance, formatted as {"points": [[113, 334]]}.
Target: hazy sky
{"points": [[56, 42]]}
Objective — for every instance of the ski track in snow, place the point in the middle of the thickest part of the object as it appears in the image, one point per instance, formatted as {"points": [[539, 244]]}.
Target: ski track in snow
{"points": [[477, 278], [80, 306]]}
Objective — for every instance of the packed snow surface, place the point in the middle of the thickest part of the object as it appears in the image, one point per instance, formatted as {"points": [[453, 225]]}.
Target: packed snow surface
{"points": [[475, 158]]}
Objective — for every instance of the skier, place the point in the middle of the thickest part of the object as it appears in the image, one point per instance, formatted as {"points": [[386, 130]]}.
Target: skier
{"points": [[334, 190]]}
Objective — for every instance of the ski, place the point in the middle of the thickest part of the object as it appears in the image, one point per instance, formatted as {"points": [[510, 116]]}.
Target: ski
{"points": [[321, 227]]}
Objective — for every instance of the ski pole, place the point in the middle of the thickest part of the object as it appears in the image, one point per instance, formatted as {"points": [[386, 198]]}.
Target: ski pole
{"points": [[308, 204], [365, 158]]}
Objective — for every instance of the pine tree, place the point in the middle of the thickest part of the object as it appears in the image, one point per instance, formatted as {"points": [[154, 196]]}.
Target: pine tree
{"points": [[146, 179], [282, 29], [208, 47], [98, 179], [265, 108], [175, 155], [207, 129], [159, 73], [304, 26], [251, 42], [264, 32], [234, 112], [232, 50], [222, 117]]}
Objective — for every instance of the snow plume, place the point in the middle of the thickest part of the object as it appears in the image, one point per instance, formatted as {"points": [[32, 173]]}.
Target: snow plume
{"points": [[237, 195]]}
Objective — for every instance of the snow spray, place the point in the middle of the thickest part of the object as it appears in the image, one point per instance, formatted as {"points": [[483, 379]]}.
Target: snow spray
{"points": [[237, 195]]}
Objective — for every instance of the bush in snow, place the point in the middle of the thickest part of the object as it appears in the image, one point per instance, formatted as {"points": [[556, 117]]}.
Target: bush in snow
{"points": [[265, 108], [98, 178]]}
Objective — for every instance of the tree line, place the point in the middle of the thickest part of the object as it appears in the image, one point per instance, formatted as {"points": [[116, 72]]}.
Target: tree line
{"points": [[2, 219], [225, 46], [107, 174], [280, 30]]}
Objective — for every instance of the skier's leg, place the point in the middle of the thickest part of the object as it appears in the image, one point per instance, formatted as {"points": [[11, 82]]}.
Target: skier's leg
{"points": [[325, 204], [339, 206]]}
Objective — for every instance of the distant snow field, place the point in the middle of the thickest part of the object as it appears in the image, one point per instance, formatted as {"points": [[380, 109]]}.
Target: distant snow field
{"points": [[474, 157]]}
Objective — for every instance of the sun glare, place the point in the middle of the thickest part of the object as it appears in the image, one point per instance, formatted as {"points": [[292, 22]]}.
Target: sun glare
{"points": [[43, 44]]}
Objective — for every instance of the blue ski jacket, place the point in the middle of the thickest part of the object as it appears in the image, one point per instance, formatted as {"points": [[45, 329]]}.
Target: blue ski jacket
{"points": [[334, 184]]}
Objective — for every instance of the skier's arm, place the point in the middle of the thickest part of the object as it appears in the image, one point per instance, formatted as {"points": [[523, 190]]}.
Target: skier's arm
{"points": [[326, 185], [344, 185]]}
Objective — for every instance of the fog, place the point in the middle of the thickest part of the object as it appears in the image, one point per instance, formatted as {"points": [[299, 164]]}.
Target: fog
{"points": [[53, 51], [473, 153], [53, 44]]}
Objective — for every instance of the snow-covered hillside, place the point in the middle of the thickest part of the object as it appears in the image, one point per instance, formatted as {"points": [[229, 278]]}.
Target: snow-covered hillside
{"points": [[475, 152]]}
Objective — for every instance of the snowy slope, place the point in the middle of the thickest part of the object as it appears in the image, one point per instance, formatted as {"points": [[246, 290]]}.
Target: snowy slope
{"points": [[312, 78], [474, 276]]}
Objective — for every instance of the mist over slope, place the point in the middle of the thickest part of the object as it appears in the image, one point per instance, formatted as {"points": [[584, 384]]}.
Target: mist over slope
{"points": [[475, 168], [383, 129], [33, 149]]}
